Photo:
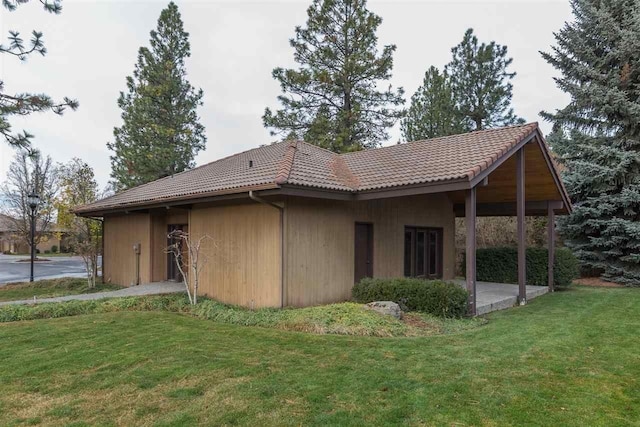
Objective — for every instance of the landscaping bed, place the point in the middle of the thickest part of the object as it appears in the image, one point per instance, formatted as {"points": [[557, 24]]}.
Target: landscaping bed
{"points": [[341, 319]]}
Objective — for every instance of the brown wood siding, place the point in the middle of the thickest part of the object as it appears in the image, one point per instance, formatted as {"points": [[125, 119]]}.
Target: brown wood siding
{"points": [[244, 253], [320, 242], [120, 234], [159, 246]]}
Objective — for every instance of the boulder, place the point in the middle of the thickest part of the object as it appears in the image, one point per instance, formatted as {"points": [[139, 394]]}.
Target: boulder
{"points": [[388, 308]]}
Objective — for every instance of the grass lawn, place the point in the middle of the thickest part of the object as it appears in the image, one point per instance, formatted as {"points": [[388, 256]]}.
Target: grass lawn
{"points": [[51, 288], [571, 358]]}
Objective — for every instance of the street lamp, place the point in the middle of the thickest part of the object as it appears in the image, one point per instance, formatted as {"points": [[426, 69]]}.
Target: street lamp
{"points": [[33, 200]]}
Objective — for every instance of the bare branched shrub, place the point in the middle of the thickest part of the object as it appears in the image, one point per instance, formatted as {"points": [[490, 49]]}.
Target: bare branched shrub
{"points": [[196, 258]]}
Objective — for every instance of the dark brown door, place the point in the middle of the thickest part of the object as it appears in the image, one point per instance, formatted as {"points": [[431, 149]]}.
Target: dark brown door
{"points": [[173, 272], [363, 251]]}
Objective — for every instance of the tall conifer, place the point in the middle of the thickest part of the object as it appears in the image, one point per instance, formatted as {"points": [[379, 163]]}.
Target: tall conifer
{"points": [[333, 98], [597, 135], [161, 132]]}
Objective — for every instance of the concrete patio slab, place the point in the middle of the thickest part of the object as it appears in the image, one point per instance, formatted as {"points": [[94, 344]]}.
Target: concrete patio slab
{"points": [[498, 296], [157, 288]]}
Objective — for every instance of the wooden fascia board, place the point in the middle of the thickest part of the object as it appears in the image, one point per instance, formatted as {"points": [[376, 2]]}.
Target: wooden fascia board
{"points": [[539, 139], [532, 208], [183, 202], [411, 190], [317, 193], [493, 166], [554, 172]]}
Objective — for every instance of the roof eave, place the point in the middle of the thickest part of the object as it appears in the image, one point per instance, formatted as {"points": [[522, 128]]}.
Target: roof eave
{"points": [[235, 193]]}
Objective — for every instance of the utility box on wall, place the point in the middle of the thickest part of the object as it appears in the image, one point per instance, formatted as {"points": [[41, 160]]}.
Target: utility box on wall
{"points": [[136, 251]]}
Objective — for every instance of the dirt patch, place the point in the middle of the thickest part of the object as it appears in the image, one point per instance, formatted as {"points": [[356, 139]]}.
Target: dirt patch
{"points": [[417, 322], [596, 282]]}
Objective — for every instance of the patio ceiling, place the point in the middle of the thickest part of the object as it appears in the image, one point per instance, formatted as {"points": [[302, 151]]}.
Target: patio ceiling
{"points": [[497, 197]]}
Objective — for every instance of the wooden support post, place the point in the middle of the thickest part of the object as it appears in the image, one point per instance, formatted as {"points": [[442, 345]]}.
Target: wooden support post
{"points": [[470, 256], [520, 207], [551, 243]]}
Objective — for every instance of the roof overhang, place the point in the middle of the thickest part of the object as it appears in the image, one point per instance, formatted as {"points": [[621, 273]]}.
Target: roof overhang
{"points": [[182, 202], [479, 179]]}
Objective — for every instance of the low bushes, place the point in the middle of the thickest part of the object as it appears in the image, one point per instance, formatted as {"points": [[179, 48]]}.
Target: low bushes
{"points": [[429, 296], [501, 265], [342, 319]]}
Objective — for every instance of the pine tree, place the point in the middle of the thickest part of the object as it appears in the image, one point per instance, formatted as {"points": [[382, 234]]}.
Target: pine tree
{"points": [[23, 104], [161, 132], [481, 83], [332, 99], [598, 135], [433, 111]]}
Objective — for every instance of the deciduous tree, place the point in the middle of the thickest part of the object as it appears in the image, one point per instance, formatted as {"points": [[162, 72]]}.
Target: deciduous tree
{"points": [[79, 187], [31, 172]]}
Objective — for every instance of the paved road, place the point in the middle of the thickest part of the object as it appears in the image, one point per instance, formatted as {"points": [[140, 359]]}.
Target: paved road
{"points": [[13, 271], [158, 288]]}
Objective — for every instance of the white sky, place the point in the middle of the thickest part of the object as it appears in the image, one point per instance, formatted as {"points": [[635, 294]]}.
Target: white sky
{"points": [[92, 46]]}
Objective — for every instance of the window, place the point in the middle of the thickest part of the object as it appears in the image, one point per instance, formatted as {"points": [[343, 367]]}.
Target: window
{"points": [[423, 252]]}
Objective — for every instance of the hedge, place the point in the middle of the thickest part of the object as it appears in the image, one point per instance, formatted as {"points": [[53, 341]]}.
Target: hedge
{"points": [[429, 296], [501, 265]]}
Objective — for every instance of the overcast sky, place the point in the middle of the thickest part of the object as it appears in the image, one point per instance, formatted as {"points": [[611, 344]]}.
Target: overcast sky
{"points": [[92, 47]]}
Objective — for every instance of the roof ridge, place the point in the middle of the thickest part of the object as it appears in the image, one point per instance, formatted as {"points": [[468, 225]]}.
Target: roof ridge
{"points": [[286, 164], [440, 137], [318, 147]]}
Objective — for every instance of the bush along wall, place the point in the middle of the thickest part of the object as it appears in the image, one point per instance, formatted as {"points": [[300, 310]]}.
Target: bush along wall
{"points": [[429, 296], [501, 265]]}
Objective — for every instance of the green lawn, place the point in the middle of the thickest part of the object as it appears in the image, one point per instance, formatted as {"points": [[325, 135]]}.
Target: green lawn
{"points": [[51, 288], [571, 358]]}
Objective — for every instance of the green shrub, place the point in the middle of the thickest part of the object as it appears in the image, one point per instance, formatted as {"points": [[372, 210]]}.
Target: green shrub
{"points": [[429, 296], [47, 251], [501, 265], [54, 249]]}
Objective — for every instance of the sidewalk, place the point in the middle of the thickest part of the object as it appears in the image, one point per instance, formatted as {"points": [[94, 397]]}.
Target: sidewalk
{"points": [[147, 289]]}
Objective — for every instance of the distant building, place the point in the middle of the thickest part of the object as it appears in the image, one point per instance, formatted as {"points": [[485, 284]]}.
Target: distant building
{"points": [[11, 242]]}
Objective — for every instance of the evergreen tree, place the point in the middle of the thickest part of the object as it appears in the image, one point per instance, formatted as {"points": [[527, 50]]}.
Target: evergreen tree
{"points": [[598, 135], [433, 110], [332, 99], [22, 104], [161, 132], [481, 83]]}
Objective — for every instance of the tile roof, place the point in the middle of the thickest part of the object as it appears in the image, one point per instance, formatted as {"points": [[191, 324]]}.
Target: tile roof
{"points": [[298, 163]]}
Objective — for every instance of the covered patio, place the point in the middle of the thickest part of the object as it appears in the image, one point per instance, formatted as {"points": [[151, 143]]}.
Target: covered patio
{"points": [[499, 296], [523, 181]]}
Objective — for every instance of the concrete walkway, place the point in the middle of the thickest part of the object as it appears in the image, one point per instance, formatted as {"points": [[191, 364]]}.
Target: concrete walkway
{"points": [[157, 288], [498, 296]]}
